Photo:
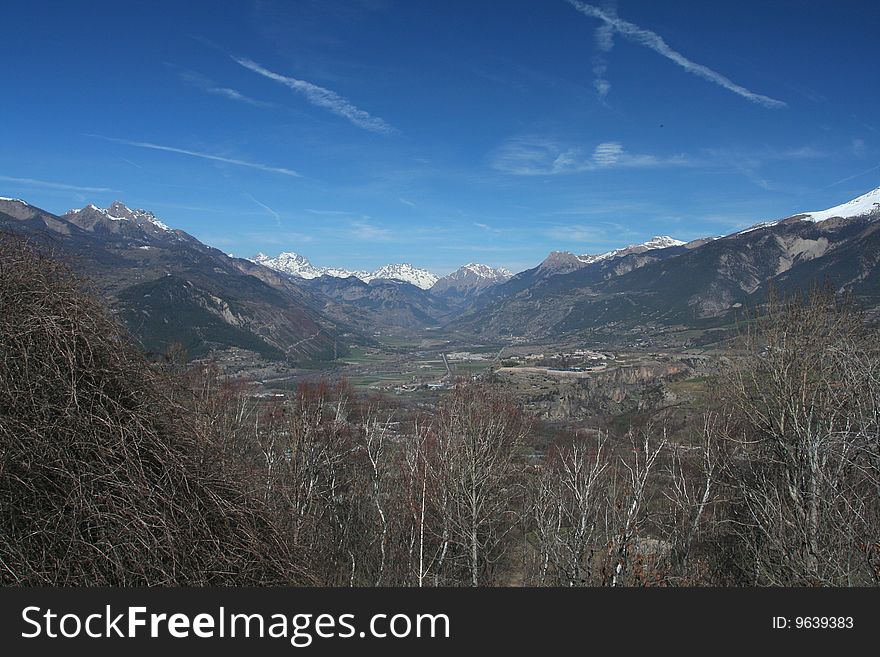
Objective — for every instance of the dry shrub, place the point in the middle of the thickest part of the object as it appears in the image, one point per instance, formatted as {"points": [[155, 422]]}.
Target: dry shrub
{"points": [[105, 479]]}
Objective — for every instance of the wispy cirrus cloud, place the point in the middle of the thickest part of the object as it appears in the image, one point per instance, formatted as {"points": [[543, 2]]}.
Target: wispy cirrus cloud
{"points": [[578, 233], [656, 43], [205, 156], [369, 232], [210, 87], [47, 184], [852, 177], [270, 211], [322, 97], [539, 156], [858, 147], [751, 164], [604, 43], [330, 213]]}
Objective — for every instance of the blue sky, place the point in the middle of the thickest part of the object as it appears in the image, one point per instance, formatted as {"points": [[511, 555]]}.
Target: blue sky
{"points": [[362, 132]]}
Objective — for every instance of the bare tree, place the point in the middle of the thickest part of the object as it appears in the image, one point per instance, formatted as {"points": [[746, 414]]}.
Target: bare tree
{"points": [[693, 472], [567, 506], [625, 514], [803, 463], [107, 475], [479, 464]]}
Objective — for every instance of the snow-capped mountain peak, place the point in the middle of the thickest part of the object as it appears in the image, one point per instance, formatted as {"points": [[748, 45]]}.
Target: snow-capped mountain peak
{"points": [[471, 277], [861, 206], [118, 211], [482, 271], [661, 242], [404, 272], [289, 262], [656, 242], [858, 207], [298, 265]]}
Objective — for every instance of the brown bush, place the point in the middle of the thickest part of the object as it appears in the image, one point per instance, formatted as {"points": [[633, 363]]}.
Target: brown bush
{"points": [[105, 479]]}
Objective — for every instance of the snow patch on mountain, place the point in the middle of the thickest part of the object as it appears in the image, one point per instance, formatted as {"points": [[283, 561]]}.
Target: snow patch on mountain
{"points": [[404, 272], [472, 277], [858, 207], [118, 211], [482, 271], [861, 206], [656, 242], [298, 265]]}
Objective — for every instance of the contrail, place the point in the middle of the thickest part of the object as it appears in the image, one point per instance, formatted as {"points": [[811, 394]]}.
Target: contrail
{"points": [[266, 208], [204, 156], [321, 97], [54, 185], [656, 43], [209, 86], [855, 175]]}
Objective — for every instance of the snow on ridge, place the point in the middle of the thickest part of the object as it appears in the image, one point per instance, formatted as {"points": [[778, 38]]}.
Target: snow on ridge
{"points": [[404, 272], [758, 226], [118, 211], [298, 265], [14, 200], [656, 242], [860, 206], [480, 271], [487, 271], [857, 207]]}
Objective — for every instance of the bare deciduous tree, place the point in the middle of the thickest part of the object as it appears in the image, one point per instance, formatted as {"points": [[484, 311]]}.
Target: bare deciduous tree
{"points": [[805, 402], [479, 463], [569, 498]]}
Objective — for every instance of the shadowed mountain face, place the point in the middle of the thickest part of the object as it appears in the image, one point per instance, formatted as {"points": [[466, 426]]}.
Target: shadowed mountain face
{"points": [[468, 281], [169, 287], [697, 284], [380, 305]]}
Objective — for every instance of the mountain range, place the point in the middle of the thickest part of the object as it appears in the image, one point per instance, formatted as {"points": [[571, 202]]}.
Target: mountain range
{"points": [[701, 283], [169, 287], [297, 265], [471, 276]]}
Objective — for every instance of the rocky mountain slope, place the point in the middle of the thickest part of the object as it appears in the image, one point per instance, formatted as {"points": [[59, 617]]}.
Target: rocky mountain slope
{"points": [[470, 279], [697, 284], [299, 266], [169, 287]]}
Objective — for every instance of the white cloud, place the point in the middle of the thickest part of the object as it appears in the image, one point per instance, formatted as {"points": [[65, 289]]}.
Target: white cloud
{"points": [[210, 87], [31, 182], [577, 233], [272, 213], [539, 156], [204, 156], [279, 238], [321, 97], [368, 232], [604, 38], [602, 87], [852, 177], [858, 147], [656, 43], [330, 213], [608, 154]]}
